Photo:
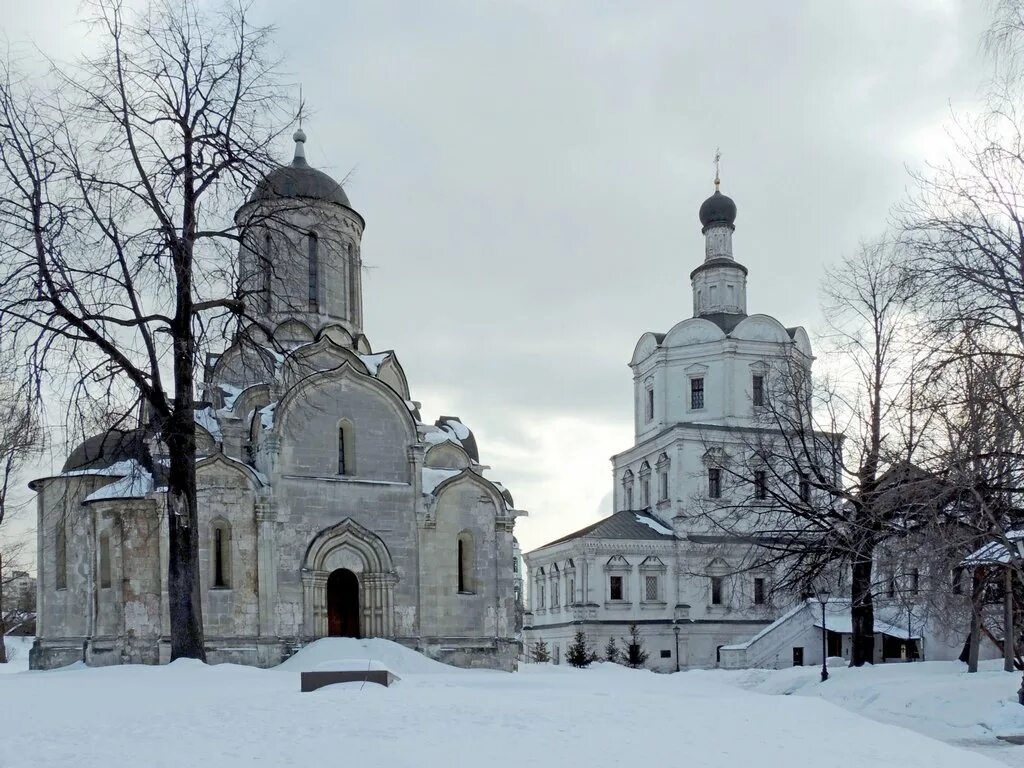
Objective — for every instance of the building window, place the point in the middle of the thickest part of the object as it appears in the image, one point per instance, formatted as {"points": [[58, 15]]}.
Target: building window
{"points": [[60, 544], [515, 564], [570, 594], [650, 588], [759, 591], [313, 248], [697, 393], [645, 492], [805, 488], [915, 581], [663, 485], [758, 390], [760, 484], [716, 590], [554, 594], [715, 483], [649, 405], [221, 555], [891, 590], [540, 596], [104, 561], [666, 654], [346, 454], [465, 563], [629, 497], [266, 270], [615, 588]]}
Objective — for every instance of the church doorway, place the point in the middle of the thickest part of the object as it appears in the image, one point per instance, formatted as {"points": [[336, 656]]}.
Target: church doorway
{"points": [[342, 604]]}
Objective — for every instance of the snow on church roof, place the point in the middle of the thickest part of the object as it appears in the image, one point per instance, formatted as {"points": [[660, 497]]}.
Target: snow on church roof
{"points": [[622, 525], [135, 484]]}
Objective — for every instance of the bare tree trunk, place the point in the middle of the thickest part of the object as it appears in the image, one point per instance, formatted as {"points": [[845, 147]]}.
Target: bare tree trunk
{"points": [[977, 595], [3, 624], [1008, 628], [862, 612]]}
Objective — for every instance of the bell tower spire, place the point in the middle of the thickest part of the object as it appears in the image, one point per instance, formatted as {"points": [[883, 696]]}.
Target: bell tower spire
{"points": [[720, 283]]}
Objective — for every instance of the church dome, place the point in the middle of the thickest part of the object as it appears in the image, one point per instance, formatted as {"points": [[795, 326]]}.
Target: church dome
{"points": [[299, 180], [717, 209], [107, 448]]}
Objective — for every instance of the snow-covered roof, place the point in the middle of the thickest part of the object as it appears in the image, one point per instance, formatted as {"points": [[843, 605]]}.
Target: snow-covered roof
{"points": [[267, 415], [374, 362], [207, 419], [622, 525], [117, 469], [231, 393], [995, 552], [434, 477], [136, 483], [842, 622]]}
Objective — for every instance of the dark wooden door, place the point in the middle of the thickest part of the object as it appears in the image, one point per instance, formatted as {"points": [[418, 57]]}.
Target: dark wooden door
{"points": [[342, 604], [798, 657]]}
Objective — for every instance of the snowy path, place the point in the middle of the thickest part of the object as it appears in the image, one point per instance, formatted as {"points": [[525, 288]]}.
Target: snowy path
{"points": [[936, 698], [188, 714]]}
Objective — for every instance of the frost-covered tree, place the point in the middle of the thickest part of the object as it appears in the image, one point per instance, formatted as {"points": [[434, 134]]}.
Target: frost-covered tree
{"points": [[612, 652]]}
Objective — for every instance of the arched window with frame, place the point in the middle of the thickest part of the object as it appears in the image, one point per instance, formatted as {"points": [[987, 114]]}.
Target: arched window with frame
{"points": [[220, 554], [346, 449], [104, 568], [266, 270], [465, 563], [60, 544], [313, 250]]}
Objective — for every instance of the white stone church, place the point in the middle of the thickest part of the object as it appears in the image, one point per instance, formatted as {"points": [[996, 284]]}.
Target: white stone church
{"points": [[696, 389], [327, 506]]}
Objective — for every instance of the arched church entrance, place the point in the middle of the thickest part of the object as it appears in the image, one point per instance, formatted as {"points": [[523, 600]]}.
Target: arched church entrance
{"points": [[342, 604], [348, 584]]}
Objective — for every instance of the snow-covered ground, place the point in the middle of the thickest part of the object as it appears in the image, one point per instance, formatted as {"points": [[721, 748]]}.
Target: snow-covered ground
{"points": [[936, 698], [190, 714]]}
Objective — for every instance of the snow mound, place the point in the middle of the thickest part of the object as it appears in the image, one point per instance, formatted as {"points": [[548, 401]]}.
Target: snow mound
{"points": [[370, 653]]}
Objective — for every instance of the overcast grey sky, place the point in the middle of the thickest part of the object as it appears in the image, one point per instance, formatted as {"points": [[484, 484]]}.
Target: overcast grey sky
{"points": [[530, 174]]}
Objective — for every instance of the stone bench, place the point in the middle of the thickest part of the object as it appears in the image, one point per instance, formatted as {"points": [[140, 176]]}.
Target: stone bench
{"points": [[314, 680]]}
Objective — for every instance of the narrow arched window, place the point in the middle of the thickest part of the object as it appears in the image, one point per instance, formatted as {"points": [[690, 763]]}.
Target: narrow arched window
{"points": [[465, 562], [220, 555], [266, 268], [104, 560], [313, 248], [342, 465], [60, 544]]}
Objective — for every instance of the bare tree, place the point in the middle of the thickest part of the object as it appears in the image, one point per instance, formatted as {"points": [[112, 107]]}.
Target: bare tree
{"points": [[810, 489], [20, 438], [118, 178]]}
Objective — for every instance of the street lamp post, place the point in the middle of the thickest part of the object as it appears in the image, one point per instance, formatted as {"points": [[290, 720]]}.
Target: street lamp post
{"points": [[675, 631], [823, 596], [1009, 632]]}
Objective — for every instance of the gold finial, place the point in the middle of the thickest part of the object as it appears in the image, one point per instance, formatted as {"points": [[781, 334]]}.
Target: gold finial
{"points": [[718, 159]]}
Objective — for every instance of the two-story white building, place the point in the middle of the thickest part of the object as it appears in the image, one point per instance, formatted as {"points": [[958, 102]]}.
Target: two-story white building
{"points": [[697, 394]]}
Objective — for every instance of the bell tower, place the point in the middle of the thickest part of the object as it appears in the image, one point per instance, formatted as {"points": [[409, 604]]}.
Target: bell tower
{"points": [[720, 283]]}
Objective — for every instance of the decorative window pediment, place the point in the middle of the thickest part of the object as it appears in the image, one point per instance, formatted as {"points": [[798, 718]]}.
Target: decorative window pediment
{"points": [[696, 370], [715, 457], [653, 563], [617, 563], [645, 469], [663, 461]]}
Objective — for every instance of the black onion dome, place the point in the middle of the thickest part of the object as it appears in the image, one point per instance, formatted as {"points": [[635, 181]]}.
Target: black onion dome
{"points": [[717, 209], [299, 180], [110, 447]]}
